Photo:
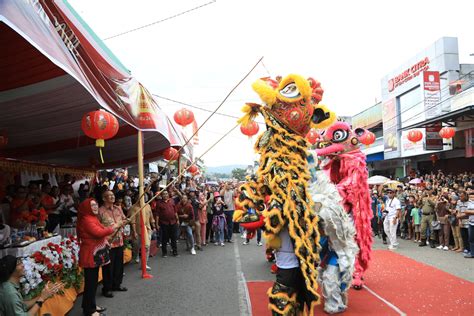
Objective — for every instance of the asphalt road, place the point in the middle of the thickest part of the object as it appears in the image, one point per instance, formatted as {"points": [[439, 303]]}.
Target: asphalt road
{"points": [[213, 281], [209, 283]]}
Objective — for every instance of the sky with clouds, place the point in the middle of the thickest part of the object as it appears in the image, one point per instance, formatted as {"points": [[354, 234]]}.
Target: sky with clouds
{"points": [[198, 57]]}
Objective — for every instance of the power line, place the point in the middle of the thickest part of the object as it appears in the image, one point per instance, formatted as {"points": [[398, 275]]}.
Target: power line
{"points": [[159, 21], [193, 106], [199, 108]]}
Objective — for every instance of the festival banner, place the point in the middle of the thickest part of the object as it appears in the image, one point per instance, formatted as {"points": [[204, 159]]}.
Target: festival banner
{"points": [[390, 125], [432, 94]]}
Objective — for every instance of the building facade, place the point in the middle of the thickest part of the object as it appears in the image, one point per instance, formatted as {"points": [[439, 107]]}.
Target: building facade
{"points": [[429, 91]]}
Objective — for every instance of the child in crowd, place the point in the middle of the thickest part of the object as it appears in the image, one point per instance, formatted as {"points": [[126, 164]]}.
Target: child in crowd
{"points": [[218, 220], [415, 215]]}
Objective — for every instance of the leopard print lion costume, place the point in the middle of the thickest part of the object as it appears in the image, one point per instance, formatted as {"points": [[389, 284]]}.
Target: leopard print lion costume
{"points": [[291, 108]]}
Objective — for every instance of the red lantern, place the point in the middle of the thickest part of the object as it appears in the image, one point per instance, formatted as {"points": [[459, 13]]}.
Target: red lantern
{"points": [[3, 138], [183, 117], [171, 154], [250, 129], [193, 169], [415, 136], [433, 158], [100, 125], [447, 132], [312, 136], [367, 139]]}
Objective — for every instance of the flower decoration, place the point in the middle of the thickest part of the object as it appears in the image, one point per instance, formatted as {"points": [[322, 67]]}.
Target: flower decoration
{"points": [[54, 262]]}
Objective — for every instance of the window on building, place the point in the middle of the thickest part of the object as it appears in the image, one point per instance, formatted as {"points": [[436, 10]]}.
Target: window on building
{"points": [[411, 106]]}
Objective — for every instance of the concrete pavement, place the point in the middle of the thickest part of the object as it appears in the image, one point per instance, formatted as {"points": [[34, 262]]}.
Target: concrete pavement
{"points": [[448, 261]]}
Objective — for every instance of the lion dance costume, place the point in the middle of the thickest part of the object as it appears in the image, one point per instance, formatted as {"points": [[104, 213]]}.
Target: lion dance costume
{"points": [[339, 248], [290, 223], [346, 166]]}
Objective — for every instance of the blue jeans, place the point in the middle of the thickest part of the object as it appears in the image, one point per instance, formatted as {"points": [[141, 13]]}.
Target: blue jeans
{"points": [[219, 234], [230, 223], [189, 237], [259, 235]]}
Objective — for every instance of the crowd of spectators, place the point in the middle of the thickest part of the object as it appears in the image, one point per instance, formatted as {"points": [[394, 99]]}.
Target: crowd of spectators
{"points": [[437, 212], [189, 211]]}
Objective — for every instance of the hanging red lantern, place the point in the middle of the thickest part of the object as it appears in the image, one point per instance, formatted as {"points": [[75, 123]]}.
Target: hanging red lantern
{"points": [[447, 132], [3, 139], [367, 139], [415, 136], [193, 169], [433, 158], [312, 136], [171, 154], [100, 125], [250, 129], [183, 117]]}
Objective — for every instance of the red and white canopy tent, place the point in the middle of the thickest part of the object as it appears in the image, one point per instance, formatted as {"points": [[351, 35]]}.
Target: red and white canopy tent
{"points": [[54, 69]]}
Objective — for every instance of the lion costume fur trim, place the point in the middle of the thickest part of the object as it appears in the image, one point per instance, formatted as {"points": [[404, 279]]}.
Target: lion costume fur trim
{"points": [[283, 171]]}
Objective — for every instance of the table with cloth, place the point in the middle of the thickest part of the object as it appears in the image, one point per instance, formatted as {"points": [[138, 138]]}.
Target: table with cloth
{"points": [[29, 249], [67, 231]]}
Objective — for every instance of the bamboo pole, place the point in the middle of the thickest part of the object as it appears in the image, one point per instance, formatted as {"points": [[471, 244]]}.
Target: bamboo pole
{"points": [[141, 191], [182, 172]]}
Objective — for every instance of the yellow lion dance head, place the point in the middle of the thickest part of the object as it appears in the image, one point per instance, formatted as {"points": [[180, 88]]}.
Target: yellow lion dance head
{"points": [[293, 101]]}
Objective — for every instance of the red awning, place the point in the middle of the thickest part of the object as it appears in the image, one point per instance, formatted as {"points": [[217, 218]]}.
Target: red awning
{"points": [[55, 72]]}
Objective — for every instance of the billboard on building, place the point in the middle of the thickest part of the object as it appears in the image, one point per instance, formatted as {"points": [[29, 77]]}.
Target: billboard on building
{"points": [[409, 148], [432, 94], [368, 118], [433, 140], [390, 125]]}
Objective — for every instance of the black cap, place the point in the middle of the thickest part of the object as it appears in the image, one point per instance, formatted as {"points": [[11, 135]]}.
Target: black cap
{"points": [[7, 267]]}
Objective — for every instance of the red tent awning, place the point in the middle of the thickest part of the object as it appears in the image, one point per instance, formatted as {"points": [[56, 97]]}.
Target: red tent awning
{"points": [[53, 72]]}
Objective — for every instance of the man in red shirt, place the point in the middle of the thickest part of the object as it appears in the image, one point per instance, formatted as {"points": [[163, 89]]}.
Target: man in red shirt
{"points": [[186, 218], [167, 218]]}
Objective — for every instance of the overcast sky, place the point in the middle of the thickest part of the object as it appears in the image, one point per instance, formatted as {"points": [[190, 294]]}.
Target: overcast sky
{"points": [[198, 57]]}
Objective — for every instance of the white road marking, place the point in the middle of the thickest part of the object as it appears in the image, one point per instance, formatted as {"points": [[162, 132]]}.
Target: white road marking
{"points": [[385, 301], [244, 298]]}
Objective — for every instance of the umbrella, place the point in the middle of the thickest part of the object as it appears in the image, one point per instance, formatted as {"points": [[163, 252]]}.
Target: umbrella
{"points": [[212, 183], [392, 184], [416, 181], [377, 180]]}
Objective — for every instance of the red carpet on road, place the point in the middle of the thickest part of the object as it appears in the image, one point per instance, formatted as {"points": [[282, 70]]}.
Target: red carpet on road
{"points": [[414, 288]]}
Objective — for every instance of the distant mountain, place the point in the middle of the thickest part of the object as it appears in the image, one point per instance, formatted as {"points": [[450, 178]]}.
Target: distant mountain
{"points": [[224, 169]]}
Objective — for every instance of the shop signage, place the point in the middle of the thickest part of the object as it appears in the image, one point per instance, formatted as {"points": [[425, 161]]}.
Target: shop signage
{"points": [[432, 94], [408, 74], [390, 126], [433, 140], [368, 118]]}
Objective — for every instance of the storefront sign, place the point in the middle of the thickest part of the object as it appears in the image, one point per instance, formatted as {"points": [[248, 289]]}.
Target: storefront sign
{"points": [[408, 74], [469, 137], [409, 148], [368, 118], [390, 126], [433, 140], [462, 100], [432, 94]]}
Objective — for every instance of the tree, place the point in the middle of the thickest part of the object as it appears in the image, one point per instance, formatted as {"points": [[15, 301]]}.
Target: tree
{"points": [[239, 174]]}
